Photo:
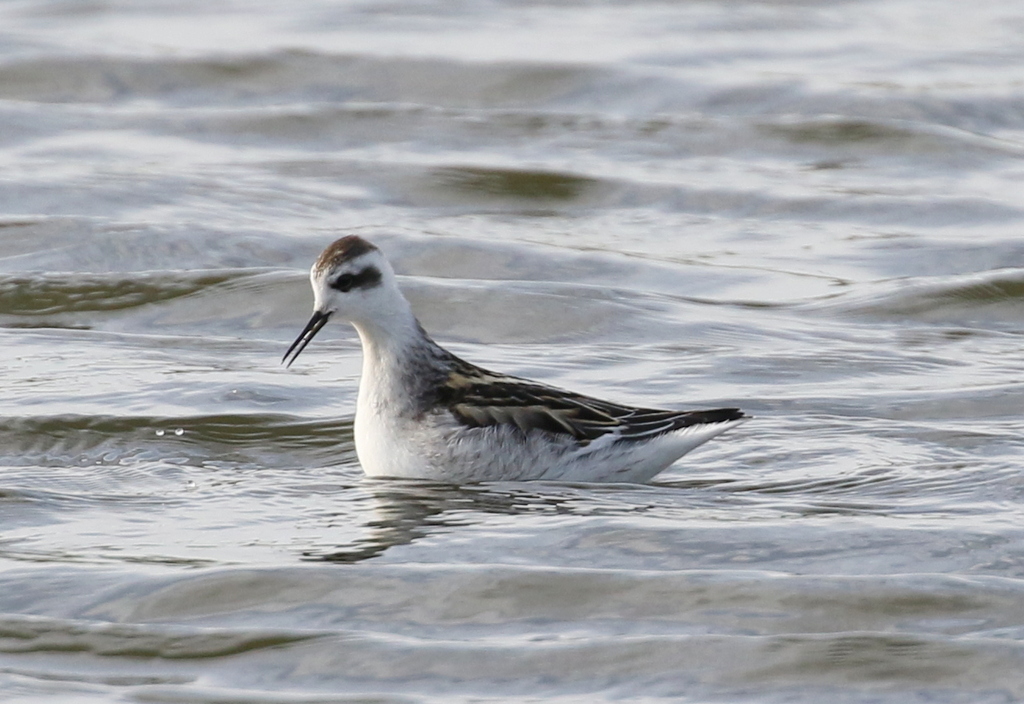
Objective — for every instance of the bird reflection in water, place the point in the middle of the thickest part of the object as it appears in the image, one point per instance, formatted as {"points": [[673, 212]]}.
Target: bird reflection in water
{"points": [[404, 511]]}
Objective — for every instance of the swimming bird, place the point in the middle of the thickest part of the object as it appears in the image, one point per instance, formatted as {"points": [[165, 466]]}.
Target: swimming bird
{"points": [[424, 413]]}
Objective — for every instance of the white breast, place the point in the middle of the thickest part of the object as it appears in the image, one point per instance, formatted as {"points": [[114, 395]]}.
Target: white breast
{"points": [[385, 443]]}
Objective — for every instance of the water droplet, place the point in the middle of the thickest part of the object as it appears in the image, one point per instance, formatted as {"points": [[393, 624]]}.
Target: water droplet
{"points": [[179, 432], [160, 433]]}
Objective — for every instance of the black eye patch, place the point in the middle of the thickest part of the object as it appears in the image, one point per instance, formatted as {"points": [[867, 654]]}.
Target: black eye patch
{"points": [[367, 278]]}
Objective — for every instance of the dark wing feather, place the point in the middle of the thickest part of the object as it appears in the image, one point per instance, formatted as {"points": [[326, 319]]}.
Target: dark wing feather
{"points": [[479, 398]]}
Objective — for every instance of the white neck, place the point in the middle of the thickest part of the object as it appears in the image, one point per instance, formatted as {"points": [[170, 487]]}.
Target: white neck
{"points": [[400, 364], [397, 358]]}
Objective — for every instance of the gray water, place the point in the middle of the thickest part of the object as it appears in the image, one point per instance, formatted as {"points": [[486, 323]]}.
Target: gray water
{"points": [[811, 210]]}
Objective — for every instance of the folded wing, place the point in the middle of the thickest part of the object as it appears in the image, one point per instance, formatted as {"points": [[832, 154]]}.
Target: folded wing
{"points": [[478, 398]]}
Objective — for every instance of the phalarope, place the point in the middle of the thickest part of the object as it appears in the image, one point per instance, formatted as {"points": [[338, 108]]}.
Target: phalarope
{"points": [[424, 413]]}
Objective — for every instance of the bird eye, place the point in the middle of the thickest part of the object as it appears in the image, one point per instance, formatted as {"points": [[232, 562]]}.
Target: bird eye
{"points": [[343, 283]]}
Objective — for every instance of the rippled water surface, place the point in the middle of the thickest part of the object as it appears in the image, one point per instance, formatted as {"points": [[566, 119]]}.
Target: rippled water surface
{"points": [[811, 210]]}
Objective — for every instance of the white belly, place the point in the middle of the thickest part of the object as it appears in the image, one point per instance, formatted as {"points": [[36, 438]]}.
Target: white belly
{"points": [[437, 448]]}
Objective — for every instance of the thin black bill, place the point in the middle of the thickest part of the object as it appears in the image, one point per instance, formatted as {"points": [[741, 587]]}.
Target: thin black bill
{"points": [[305, 337]]}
